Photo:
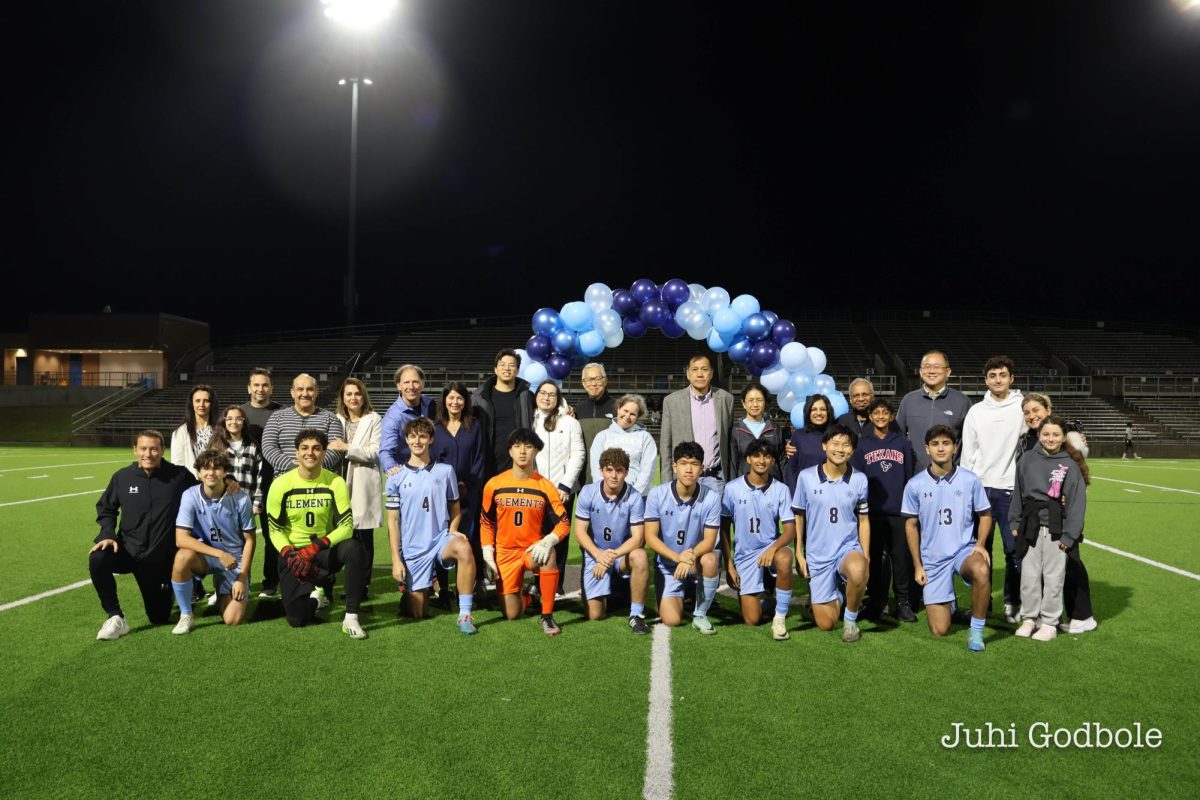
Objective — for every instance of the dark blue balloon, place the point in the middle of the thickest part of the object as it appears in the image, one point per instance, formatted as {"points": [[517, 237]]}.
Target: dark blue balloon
{"points": [[783, 332], [671, 328], [644, 291], [579, 359], [566, 342], [675, 293], [558, 367], [756, 327], [633, 327], [546, 322], [771, 316], [764, 354], [754, 369], [538, 347], [739, 349], [623, 303], [653, 314]]}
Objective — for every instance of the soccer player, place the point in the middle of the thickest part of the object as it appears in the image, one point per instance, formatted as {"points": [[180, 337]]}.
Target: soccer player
{"points": [[683, 517], [423, 512], [835, 535], [609, 526], [756, 505], [941, 504], [215, 535], [308, 511], [521, 519]]}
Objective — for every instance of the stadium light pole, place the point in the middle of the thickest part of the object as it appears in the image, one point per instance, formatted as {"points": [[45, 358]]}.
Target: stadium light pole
{"points": [[361, 16]]}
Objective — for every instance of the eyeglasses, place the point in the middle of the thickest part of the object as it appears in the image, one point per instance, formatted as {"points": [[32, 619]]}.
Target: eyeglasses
{"points": [[935, 367], [600, 379], [547, 394]]}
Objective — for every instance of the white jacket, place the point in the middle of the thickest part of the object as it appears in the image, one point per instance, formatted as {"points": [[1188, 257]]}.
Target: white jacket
{"points": [[640, 446], [184, 450], [363, 476], [561, 460], [990, 434]]}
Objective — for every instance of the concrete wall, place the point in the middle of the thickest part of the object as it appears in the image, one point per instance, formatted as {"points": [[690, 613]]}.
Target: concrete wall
{"points": [[53, 395]]}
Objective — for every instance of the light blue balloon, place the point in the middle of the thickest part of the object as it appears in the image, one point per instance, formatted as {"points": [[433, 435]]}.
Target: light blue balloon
{"points": [[598, 297], [687, 314], [817, 356], [726, 322], [606, 321], [716, 343], [614, 338], [798, 415], [787, 401], [800, 384], [591, 343], [535, 375], [522, 356], [824, 384], [697, 292], [793, 357], [774, 379], [744, 305], [714, 299], [576, 315], [838, 403], [700, 330]]}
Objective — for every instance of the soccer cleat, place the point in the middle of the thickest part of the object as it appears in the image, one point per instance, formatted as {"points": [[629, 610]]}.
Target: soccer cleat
{"points": [[1045, 633], [549, 626], [269, 594], [353, 628], [466, 625], [1012, 613], [212, 600], [318, 594], [113, 628], [1077, 626], [904, 613], [637, 624], [703, 625], [779, 631], [975, 641], [850, 632], [1026, 630], [186, 624]]}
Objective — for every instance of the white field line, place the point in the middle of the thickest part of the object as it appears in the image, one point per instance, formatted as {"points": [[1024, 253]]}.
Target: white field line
{"points": [[1148, 485], [83, 478], [1149, 561], [1134, 491], [35, 477], [61, 466], [24, 601], [52, 497], [660, 754]]}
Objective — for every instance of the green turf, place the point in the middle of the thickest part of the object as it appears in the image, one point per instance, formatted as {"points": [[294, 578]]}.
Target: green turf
{"points": [[36, 423], [418, 709]]}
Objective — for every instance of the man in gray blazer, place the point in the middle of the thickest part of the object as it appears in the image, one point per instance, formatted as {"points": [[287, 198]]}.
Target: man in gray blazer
{"points": [[701, 413]]}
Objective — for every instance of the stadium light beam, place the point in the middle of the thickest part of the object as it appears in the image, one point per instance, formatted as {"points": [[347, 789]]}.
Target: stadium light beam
{"points": [[359, 14]]}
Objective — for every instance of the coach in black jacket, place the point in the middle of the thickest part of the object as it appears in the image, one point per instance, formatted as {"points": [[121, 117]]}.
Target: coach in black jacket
{"points": [[146, 495]]}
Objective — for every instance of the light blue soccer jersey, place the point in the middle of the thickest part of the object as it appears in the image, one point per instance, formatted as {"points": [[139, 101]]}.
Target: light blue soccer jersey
{"points": [[423, 497], [756, 512], [831, 511], [946, 508], [610, 519], [682, 522], [218, 523]]}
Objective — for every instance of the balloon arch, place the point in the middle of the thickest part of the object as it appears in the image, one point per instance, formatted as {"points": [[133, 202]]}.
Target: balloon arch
{"points": [[759, 340]]}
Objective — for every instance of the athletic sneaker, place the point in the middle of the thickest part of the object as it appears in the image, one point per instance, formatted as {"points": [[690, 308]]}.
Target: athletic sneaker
{"points": [[904, 613], [1045, 633], [1026, 630], [779, 631], [850, 632], [466, 625], [186, 624], [1076, 626], [212, 599], [549, 626], [269, 594], [975, 641], [1012, 613], [354, 628], [113, 628], [318, 594], [703, 625], [637, 624]]}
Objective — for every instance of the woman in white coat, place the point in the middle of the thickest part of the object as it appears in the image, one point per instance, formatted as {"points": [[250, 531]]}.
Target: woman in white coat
{"points": [[560, 461], [192, 437], [360, 463], [628, 435]]}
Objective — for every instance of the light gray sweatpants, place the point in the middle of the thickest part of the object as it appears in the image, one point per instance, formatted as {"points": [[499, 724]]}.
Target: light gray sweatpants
{"points": [[1042, 572]]}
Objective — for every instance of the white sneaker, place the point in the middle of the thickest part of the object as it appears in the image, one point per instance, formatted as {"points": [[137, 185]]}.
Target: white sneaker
{"points": [[1077, 626], [1012, 613], [353, 628], [779, 631], [212, 600], [185, 625], [113, 628], [1045, 633], [1026, 630], [318, 594]]}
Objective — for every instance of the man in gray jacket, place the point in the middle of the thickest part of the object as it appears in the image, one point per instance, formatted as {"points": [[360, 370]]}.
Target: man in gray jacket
{"points": [[701, 413], [932, 404]]}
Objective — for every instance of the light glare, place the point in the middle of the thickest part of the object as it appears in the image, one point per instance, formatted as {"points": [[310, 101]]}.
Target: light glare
{"points": [[360, 14]]}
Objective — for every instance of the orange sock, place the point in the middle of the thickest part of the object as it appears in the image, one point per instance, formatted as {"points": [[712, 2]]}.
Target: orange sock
{"points": [[548, 583]]}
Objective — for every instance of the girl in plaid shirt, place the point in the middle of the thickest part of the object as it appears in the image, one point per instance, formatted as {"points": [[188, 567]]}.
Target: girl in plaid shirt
{"points": [[234, 436]]}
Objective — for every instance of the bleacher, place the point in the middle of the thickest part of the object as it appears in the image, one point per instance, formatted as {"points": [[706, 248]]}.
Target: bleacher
{"points": [[1103, 422], [968, 345], [1112, 353], [294, 356], [1179, 414]]}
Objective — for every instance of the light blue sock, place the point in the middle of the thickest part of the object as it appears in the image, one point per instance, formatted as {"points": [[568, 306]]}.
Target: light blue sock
{"points": [[464, 603], [637, 609], [783, 599], [977, 624], [183, 595], [851, 616], [709, 588]]}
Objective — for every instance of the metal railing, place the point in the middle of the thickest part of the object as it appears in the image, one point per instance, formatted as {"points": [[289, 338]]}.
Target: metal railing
{"points": [[116, 379], [1160, 386], [1053, 385], [87, 417]]}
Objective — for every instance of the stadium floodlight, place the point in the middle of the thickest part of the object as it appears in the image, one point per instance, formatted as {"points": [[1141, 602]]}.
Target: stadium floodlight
{"points": [[359, 14], [1187, 6]]}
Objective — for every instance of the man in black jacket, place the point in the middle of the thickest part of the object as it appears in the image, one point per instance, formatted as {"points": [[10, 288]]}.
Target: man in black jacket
{"points": [[595, 412], [146, 496], [504, 404]]}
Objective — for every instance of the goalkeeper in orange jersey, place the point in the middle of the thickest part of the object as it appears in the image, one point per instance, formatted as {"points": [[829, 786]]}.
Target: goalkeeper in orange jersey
{"points": [[521, 519]]}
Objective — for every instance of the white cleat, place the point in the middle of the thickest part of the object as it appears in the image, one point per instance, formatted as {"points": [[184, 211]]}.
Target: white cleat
{"points": [[186, 624], [318, 594], [779, 631], [113, 628]]}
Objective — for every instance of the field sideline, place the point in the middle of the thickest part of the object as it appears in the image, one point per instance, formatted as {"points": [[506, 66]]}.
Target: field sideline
{"points": [[421, 710]]}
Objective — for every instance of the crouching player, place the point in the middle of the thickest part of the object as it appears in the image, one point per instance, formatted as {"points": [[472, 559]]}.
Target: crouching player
{"points": [[214, 532], [682, 520], [308, 516], [521, 519], [946, 499], [423, 514], [608, 524], [835, 534], [756, 505]]}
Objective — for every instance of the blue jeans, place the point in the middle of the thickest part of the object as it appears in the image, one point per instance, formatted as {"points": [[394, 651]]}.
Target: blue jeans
{"points": [[1001, 499]]}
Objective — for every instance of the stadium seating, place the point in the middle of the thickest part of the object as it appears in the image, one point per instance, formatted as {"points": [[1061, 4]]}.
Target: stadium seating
{"points": [[1110, 353], [968, 345], [1181, 415]]}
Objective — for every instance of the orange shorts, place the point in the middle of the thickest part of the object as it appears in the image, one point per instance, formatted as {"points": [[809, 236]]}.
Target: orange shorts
{"points": [[512, 565]]}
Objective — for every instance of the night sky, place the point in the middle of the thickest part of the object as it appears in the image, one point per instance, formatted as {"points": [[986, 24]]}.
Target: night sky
{"points": [[193, 157]]}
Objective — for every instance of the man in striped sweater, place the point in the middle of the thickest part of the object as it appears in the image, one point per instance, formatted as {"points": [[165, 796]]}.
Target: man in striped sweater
{"points": [[279, 436]]}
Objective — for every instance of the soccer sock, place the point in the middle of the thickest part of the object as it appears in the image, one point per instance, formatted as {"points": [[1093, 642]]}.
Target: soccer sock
{"points": [[851, 616], [548, 584], [637, 609], [709, 590], [351, 617], [183, 595], [977, 624], [783, 599], [464, 604]]}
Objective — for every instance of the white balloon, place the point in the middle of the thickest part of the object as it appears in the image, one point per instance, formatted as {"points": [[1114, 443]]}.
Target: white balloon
{"points": [[793, 357], [817, 357], [697, 292], [614, 338], [598, 297], [774, 379]]}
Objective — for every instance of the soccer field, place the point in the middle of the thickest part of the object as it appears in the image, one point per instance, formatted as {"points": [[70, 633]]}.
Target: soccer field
{"points": [[420, 711]]}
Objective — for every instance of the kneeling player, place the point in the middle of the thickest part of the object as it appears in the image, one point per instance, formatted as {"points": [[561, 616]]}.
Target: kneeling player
{"points": [[682, 519], [945, 500], [608, 524], [214, 532], [423, 514], [756, 505], [521, 519], [308, 513], [835, 535]]}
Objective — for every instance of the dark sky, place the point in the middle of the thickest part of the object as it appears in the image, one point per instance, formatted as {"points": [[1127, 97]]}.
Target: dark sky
{"points": [[193, 157]]}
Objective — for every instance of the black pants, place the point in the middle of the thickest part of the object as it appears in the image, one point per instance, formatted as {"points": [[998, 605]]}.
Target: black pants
{"points": [[152, 573], [889, 555], [1077, 589], [562, 550], [366, 537], [270, 554], [298, 606]]}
